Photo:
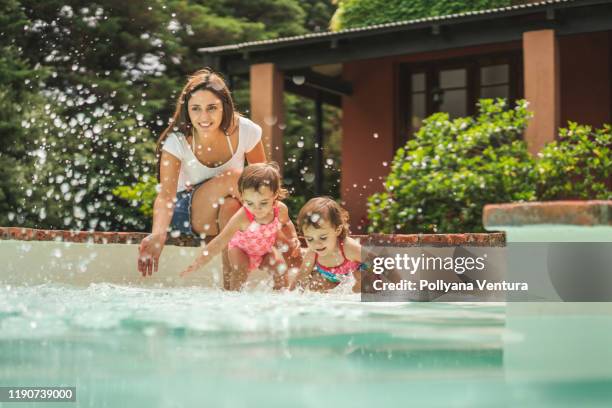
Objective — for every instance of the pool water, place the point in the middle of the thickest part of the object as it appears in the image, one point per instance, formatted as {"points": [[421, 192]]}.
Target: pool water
{"points": [[128, 346]]}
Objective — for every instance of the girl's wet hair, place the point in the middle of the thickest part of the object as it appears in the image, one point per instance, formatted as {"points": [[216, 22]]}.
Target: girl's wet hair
{"points": [[320, 209], [258, 175], [204, 79]]}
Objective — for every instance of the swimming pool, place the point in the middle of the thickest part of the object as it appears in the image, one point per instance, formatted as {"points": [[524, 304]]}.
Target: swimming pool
{"points": [[171, 347], [78, 314]]}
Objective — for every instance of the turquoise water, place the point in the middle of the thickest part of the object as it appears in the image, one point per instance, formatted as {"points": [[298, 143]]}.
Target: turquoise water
{"points": [[173, 347]]}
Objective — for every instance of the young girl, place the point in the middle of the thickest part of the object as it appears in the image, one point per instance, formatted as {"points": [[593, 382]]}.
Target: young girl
{"points": [[332, 255], [251, 233]]}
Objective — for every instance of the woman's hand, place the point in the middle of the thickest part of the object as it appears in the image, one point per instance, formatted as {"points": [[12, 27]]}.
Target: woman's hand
{"points": [[148, 253]]}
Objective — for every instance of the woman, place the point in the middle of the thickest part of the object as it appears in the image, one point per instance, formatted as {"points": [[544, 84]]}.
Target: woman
{"points": [[200, 157]]}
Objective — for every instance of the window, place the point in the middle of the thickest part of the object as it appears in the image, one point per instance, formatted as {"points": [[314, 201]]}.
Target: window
{"points": [[454, 87], [495, 81]]}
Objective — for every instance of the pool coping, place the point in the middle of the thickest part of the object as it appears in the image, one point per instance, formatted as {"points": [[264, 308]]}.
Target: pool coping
{"points": [[109, 237], [565, 212]]}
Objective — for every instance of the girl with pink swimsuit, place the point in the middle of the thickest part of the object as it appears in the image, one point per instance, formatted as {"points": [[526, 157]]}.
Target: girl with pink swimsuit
{"points": [[252, 233]]}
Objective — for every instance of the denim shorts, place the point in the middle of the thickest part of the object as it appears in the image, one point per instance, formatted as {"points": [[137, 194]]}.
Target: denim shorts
{"points": [[181, 218]]}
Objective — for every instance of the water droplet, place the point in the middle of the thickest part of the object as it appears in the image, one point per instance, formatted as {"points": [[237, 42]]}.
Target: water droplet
{"points": [[270, 120], [150, 331]]}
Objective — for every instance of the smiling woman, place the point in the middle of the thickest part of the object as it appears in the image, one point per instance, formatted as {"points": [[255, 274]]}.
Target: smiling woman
{"points": [[200, 154]]}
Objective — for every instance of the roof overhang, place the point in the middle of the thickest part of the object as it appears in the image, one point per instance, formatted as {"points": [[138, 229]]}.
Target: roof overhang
{"points": [[298, 57], [295, 54]]}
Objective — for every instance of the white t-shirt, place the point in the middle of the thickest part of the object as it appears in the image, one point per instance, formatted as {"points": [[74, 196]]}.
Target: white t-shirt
{"points": [[193, 172]]}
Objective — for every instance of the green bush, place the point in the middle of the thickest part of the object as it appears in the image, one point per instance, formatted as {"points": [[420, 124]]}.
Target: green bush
{"points": [[441, 179], [577, 166], [141, 195], [361, 13]]}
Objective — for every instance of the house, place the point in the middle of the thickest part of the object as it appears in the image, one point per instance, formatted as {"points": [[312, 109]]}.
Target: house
{"points": [[556, 54]]}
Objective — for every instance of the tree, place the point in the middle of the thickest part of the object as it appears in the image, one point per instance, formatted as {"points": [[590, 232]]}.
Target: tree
{"points": [[99, 81]]}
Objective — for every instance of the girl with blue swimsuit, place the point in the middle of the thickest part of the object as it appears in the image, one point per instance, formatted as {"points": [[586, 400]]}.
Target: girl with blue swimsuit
{"points": [[332, 256]]}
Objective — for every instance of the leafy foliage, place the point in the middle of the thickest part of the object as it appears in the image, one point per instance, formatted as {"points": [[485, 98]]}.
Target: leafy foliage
{"points": [[86, 88], [361, 13], [441, 179], [577, 166]]}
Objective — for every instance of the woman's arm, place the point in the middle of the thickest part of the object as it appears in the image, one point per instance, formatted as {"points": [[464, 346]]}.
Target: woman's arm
{"points": [[257, 154], [163, 208], [236, 223], [303, 277], [151, 247]]}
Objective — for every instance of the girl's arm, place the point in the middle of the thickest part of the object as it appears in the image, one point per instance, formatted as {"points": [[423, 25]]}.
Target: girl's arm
{"points": [[214, 247], [288, 230], [303, 277]]}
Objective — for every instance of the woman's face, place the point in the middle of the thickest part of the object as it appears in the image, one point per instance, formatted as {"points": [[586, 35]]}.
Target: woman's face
{"points": [[205, 111], [322, 240]]}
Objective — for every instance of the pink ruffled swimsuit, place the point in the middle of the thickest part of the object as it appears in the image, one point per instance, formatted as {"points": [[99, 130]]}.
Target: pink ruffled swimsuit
{"points": [[258, 239]]}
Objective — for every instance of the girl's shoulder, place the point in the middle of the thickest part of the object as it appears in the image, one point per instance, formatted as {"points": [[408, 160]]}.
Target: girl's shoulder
{"points": [[241, 219], [283, 211], [352, 249]]}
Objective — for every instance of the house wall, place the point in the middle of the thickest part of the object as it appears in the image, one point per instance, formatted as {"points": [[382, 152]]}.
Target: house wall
{"points": [[369, 121], [367, 134], [586, 81], [586, 97]]}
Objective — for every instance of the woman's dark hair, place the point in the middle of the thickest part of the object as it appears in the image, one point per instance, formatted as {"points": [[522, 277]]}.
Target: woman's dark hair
{"points": [[204, 79]]}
